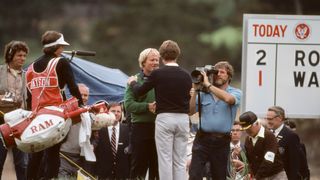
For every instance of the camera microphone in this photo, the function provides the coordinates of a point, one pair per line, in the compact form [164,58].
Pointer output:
[81,53]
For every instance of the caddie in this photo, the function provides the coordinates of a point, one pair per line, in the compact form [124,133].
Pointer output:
[46,79]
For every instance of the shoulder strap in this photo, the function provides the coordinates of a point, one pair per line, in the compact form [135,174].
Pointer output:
[51,64]
[199,109]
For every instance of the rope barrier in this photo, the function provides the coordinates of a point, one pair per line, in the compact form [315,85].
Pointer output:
[76,165]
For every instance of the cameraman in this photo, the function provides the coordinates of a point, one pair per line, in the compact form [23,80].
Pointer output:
[218,108]
[13,96]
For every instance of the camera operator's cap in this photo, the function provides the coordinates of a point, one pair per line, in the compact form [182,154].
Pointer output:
[247,119]
[59,41]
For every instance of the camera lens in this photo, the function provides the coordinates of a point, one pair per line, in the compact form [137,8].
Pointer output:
[196,76]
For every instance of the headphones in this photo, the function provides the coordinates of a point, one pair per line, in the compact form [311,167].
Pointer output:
[10,51]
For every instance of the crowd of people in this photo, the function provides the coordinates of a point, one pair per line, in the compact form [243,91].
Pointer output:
[153,140]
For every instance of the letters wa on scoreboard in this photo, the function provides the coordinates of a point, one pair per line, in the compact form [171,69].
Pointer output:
[281,64]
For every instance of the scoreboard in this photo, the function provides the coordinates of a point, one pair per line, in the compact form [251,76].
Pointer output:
[281,64]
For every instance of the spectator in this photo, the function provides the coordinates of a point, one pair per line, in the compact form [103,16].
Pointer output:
[70,147]
[304,168]
[144,153]
[13,96]
[291,125]
[261,149]
[237,170]
[218,108]
[288,141]
[46,79]
[112,160]
[172,85]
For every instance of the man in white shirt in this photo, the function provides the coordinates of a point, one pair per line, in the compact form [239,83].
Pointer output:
[112,159]
[70,147]
[288,141]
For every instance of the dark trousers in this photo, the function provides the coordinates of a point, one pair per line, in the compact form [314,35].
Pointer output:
[44,164]
[19,159]
[144,153]
[89,167]
[67,169]
[213,149]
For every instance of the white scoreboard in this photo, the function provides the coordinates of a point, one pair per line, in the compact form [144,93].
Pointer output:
[281,64]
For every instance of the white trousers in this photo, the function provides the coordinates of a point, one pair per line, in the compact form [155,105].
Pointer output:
[171,135]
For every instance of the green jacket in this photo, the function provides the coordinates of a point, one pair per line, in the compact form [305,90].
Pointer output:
[138,107]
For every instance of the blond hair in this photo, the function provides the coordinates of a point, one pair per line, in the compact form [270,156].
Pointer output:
[144,55]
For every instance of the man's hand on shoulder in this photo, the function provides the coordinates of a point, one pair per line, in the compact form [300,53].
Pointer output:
[131,79]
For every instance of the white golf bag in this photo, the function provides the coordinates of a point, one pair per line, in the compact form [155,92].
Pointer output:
[36,131]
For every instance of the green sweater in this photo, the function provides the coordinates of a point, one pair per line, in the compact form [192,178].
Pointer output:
[138,107]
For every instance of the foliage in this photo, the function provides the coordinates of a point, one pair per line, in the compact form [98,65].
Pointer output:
[206,30]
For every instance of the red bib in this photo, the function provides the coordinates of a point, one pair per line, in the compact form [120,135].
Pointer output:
[44,86]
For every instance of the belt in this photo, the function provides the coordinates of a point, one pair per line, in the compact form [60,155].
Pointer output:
[214,134]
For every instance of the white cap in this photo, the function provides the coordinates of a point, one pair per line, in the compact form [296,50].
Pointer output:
[59,41]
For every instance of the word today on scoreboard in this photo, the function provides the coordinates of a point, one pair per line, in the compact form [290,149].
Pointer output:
[281,64]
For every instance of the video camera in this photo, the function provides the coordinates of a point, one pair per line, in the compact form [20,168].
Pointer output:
[196,75]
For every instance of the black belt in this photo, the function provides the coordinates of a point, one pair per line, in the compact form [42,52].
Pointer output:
[214,134]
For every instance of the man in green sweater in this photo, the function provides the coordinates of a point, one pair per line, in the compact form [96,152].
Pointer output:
[142,109]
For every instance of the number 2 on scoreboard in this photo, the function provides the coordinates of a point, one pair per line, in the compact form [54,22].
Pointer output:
[261,62]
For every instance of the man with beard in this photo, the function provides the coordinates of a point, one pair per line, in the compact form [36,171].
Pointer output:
[218,108]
